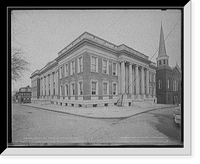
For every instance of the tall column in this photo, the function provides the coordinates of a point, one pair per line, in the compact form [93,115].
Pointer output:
[123,77]
[133,80]
[47,85]
[119,77]
[126,78]
[40,86]
[137,80]
[44,79]
[142,81]
[51,83]
[56,81]
[130,79]
[147,82]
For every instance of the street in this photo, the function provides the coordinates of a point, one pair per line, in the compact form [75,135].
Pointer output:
[32,126]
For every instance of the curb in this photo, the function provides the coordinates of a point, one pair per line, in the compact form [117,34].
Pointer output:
[96,117]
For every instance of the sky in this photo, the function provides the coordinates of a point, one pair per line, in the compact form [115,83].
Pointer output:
[41,34]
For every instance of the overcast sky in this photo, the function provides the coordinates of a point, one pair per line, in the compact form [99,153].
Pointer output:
[41,34]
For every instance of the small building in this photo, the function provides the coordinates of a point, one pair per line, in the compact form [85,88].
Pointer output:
[169,82]
[24,95]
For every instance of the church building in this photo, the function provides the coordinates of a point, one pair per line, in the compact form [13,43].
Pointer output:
[92,72]
[168,80]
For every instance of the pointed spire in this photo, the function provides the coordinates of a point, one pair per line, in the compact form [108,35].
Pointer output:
[162,49]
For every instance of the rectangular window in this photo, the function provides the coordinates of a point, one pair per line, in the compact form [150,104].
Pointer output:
[94,64]
[105,66]
[80,64]
[114,88]
[73,89]
[94,88]
[61,72]
[114,68]
[80,88]
[72,67]
[66,70]
[167,83]
[105,88]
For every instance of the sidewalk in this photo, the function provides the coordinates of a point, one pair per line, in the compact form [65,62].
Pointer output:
[110,112]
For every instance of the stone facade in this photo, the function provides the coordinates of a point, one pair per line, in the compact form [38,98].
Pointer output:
[93,72]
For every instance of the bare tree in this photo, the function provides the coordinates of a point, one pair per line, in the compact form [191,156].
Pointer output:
[18,64]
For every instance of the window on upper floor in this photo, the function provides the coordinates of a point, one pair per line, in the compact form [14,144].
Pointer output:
[80,64]
[61,72]
[72,67]
[66,70]
[94,64]
[105,66]
[114,68]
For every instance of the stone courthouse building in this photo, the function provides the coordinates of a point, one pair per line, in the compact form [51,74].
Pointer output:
[92,72]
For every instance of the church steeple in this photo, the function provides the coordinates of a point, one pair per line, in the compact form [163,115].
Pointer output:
[162,59]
